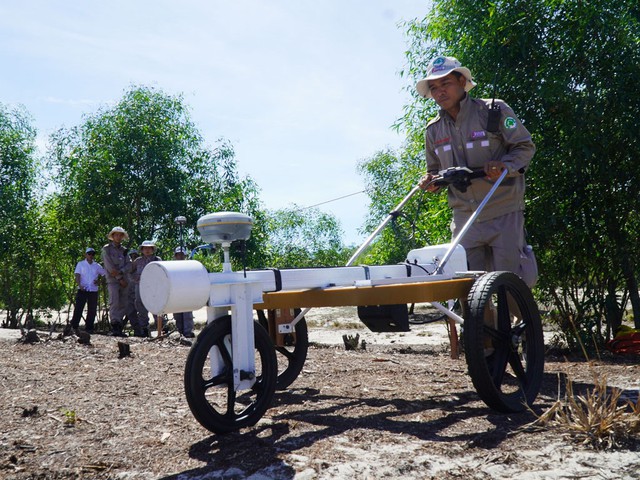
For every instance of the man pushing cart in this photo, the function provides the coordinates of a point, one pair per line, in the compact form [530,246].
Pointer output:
[479,151]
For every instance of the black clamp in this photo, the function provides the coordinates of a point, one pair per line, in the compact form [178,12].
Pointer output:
[277,278]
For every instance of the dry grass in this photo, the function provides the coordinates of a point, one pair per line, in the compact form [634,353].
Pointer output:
[599,418]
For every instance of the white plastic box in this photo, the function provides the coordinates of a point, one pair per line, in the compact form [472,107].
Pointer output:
[434,255]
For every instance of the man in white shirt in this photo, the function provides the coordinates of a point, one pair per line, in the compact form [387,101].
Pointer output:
[86,276]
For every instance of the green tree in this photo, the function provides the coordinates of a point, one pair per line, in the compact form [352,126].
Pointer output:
[303,238]
[569,69]
[139,164]
[18,215]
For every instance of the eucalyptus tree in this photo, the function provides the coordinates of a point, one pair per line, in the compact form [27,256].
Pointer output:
[139,164]
[298,237]
[18,214]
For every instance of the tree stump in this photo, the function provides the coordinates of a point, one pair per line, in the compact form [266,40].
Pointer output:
[84,338]
[31,337]
[124,349]
[351,342]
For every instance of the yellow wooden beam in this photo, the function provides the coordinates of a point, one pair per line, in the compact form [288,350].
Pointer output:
[376,295]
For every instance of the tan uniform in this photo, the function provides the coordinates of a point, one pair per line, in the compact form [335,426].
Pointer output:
[496,240]
[115,263]
[131,312]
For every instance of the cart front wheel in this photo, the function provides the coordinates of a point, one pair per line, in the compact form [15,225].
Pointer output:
[504,344]
[208,379]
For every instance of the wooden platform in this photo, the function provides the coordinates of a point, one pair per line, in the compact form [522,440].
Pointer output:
[415,292]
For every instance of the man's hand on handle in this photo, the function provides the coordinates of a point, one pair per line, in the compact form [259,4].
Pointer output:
[494,169]
[425,183]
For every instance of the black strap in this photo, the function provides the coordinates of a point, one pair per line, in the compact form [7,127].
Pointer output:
[277,277]
[367,273]
[493,119]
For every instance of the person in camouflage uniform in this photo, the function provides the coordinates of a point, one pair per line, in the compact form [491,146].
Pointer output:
[116,263]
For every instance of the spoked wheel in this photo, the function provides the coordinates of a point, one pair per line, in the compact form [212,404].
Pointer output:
[504,345]
[292,355]
[208,379]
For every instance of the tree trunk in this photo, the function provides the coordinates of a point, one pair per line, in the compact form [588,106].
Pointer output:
[632,285]
[613,312]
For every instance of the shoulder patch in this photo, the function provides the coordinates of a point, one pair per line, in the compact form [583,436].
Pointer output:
[510,123]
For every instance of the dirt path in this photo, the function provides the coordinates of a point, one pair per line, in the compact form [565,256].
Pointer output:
[400,409]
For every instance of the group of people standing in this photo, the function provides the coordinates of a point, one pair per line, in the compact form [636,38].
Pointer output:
[122,270]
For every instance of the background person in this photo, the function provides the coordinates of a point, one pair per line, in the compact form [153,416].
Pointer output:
[184,320]
[148,250]
[116,262]
[131,311]
[87,274]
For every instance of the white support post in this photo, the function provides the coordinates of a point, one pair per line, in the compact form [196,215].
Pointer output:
[215,358]
[242,336]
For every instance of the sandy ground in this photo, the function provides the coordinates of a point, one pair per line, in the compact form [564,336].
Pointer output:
[333,323]
[402,409]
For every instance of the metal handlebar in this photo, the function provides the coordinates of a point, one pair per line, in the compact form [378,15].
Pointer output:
[459,178]
[391,216]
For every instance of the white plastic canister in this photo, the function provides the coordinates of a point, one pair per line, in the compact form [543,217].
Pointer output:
[174,286]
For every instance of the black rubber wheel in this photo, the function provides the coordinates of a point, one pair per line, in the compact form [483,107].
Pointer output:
[211,395]
[292,356]
[503,344]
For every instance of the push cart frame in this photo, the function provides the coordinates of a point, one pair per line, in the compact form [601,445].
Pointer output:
[233,370]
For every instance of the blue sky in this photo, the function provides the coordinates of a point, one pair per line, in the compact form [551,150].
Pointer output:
[303,90]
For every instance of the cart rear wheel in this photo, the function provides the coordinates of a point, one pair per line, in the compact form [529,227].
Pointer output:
[208,379]
[293,354]
[504,345]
